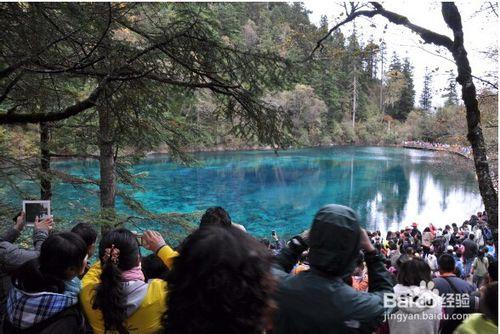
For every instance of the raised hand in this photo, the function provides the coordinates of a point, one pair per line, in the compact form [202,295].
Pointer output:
[20,223]
[365,242]
[45,225]
[152,240]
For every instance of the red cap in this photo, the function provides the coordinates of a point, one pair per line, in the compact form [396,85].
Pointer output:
[414,224]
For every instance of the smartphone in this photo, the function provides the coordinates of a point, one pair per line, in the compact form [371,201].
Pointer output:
[33,209]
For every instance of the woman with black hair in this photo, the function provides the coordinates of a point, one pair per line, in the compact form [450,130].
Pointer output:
[115,296]
[418,304]
[38,301]
[220,283]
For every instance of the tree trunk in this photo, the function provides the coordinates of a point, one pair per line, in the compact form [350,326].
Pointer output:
[382,79]
[45,183]
[107,185]
[473,115]
[354,97]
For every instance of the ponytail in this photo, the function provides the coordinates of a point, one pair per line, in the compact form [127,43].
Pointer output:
[118,252]
[110,299]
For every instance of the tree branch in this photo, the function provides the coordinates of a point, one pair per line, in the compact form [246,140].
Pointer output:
[427,35]
[75,109]
[10,86]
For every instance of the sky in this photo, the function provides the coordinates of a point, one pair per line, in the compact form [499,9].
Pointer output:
[480,33]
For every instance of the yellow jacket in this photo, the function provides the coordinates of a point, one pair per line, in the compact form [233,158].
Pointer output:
[148,317]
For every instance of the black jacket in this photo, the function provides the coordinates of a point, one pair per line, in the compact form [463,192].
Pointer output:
[470,248]
[70,320]
[318,301]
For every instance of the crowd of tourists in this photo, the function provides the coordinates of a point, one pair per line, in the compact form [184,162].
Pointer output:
[464,150]
[333,278]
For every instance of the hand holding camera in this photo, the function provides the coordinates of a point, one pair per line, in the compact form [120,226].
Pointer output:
[44,225]
[152,240]
[19,221]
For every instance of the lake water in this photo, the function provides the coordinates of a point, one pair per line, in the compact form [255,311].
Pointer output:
[388,187]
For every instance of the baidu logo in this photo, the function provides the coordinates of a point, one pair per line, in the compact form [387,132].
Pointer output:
[423,296]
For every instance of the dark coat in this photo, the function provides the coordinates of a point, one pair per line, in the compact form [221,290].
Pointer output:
[470,248]
[318,301]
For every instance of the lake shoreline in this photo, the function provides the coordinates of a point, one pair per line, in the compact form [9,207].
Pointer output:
[221,149]
[269,148]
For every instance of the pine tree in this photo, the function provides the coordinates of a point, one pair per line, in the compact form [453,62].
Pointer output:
[451,91]
[407,99]
[358,82]
[426,97]
[395,83]
[371,58]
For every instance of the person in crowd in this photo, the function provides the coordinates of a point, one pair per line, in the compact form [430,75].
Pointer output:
[449,287]
[114,294]
[470,253]
[220,283]
[479,268]
[473,221]
[12,256]
[410,251]
[318,300]
[389,237]
[89,234]
[431,260]
[153,267]
[439,245]
[394,253]
[406,242]
[478,234]
[415,232]
[303,264]
[426,241]
[360,276]
[465,229]
[485,322]
[38,302]
[459,266]
[416,244]
[215,216]
[454,239]
[447,237]
[416,300]
[218,216]
[491,253]
[433,229]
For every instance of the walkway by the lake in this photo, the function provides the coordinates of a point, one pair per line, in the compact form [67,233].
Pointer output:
[465,151]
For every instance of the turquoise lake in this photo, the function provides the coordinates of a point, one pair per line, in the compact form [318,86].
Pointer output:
[388,187]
